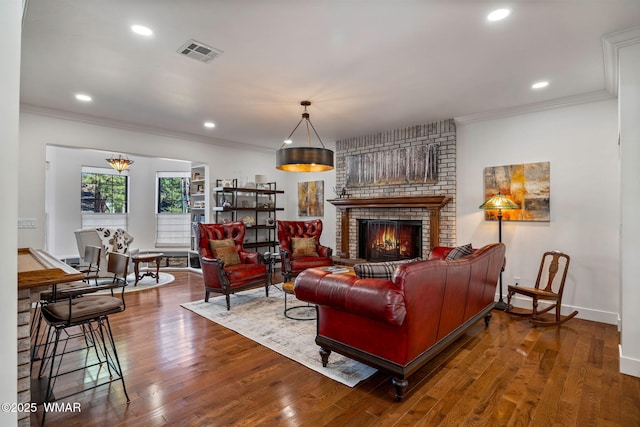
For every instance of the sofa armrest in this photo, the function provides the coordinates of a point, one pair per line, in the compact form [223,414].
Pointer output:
[376,299]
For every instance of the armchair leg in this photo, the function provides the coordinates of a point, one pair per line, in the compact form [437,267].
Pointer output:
[228,298]
[206,296]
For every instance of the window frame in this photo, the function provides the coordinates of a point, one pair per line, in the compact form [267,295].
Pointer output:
[165,233]
[176,174]
[112,172]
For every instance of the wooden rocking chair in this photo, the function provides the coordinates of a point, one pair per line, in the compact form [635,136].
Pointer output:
[553,261]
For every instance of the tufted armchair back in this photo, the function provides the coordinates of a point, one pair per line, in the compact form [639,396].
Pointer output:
[230,230]
[292,266]
[289,229]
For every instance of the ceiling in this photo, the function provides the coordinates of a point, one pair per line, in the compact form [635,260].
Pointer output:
[366,65]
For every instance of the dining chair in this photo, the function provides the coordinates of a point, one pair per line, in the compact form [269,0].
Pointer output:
[81,324]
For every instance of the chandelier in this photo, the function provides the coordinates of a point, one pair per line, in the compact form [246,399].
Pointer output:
[119,163]
[304,159]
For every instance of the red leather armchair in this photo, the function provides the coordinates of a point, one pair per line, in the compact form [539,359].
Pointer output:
[251,272]
[292,264]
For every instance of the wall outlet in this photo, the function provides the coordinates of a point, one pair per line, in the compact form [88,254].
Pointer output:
[516,280]
[27,223]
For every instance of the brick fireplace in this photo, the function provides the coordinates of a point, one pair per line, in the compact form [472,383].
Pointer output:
[431,203]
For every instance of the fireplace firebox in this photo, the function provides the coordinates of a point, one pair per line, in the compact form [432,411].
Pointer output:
[389,240]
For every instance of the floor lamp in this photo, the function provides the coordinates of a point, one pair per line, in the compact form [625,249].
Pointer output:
[499,202]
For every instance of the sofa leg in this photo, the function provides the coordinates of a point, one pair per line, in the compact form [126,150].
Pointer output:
[400,384]
[324,355]
[206,296]
[228,298]
[487,318]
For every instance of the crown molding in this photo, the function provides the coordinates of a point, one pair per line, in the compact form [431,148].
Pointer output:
[611,45]
[100,121]
[551,104]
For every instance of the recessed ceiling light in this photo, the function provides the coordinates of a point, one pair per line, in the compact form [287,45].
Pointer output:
[142,30]
[288,141]
[498,14]
[209,125]
[540,85]
[83,97]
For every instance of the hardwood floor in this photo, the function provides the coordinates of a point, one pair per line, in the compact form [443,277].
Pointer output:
[181,369]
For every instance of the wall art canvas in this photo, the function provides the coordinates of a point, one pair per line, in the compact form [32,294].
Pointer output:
[311,198]
[527,184]
[408,165]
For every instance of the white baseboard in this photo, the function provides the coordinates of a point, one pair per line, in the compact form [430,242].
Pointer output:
[628,365]
[610,318]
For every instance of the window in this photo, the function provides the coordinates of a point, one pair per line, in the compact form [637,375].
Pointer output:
[104,198]
[103,191]
[173,194]
[172,207]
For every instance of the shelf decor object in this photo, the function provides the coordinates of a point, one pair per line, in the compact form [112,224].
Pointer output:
[499,202]
[304,159]
[119,163]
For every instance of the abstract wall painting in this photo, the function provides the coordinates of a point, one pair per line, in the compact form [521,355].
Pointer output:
[311,198]
[527,184]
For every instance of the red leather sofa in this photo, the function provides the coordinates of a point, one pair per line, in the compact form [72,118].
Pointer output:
[398,325]
[251,272]
[292,265]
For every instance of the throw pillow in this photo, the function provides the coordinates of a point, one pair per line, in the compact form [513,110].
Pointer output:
[114,240]
[379,270]
[225,251]
[459,252]
[303,246]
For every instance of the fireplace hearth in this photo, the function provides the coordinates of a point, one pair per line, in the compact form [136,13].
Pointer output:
[389,240]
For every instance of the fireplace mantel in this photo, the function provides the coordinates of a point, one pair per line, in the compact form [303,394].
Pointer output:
[428,202]
[432,203]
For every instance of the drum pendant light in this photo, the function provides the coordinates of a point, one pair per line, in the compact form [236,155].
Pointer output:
[304,159]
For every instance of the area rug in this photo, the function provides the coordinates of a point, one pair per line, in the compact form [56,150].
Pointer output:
[262,320]
[145,283]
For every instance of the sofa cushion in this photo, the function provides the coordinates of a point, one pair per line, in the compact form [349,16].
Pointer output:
[225,250]
[459,252]
[303,246]
[379,270]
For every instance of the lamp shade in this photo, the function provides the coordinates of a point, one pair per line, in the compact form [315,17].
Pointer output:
[119,163]
[304,159]
[499,202]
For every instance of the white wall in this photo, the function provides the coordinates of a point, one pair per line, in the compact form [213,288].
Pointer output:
[581,142]
[629,105]
[38,131]
[63,206]
[10,27]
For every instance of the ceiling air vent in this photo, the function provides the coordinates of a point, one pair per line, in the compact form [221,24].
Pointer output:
[199,51]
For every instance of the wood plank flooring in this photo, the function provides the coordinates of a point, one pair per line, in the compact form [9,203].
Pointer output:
[183,370]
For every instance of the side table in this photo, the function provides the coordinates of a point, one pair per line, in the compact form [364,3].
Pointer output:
[148,257]
[287,287]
